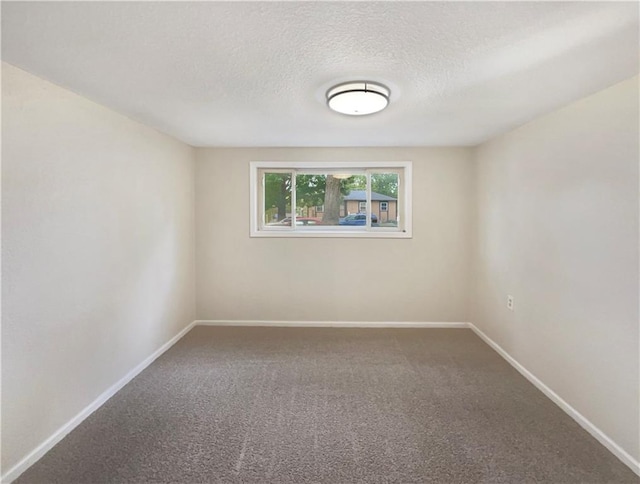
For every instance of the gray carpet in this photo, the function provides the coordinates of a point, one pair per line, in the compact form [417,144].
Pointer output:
[327,405]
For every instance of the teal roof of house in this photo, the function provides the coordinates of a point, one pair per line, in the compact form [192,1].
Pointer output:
[361,196]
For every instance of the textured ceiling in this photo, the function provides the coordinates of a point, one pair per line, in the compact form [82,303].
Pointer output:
[255,73]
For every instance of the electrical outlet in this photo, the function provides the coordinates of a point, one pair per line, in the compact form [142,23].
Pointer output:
[510,302]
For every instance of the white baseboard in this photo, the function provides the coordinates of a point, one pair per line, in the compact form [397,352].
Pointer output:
[331,324]
[598,434]
[59,434]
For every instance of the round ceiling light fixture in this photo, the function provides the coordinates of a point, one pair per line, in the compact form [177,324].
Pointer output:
[358,98]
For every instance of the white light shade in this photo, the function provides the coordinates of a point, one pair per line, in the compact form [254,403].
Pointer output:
[358,98]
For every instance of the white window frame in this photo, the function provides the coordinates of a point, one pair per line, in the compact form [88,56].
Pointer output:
[386,206]
[259,229]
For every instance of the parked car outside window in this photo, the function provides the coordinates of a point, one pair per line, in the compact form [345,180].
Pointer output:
[299,221]
[358,219]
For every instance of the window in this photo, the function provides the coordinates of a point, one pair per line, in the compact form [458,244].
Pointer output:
[330,199]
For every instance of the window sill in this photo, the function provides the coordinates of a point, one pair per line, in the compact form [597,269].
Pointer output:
[356,234]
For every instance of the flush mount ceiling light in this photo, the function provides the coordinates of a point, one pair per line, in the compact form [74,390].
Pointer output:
[358,98]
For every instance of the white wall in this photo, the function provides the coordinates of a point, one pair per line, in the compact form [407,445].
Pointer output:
[98,267]
[420,279]
[557,227]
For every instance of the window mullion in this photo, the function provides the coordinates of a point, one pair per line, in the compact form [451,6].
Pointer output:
[293,199]
[368,212]
[400,203]
[261,204]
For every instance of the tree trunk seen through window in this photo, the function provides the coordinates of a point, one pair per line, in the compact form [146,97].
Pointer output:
[332,200]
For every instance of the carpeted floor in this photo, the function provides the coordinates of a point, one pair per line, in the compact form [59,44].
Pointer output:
[328,405]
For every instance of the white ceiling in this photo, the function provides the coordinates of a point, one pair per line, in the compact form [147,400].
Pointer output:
[256,73]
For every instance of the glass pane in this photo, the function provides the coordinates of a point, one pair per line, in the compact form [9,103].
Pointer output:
[310,194]
[384,199]
[354,211]
[328,200]
[277,199]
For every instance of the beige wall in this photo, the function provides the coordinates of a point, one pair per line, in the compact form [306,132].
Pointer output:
[97,253]
[329,279]
[557,227]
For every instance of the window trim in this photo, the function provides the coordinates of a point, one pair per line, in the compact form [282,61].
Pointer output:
[404,199]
